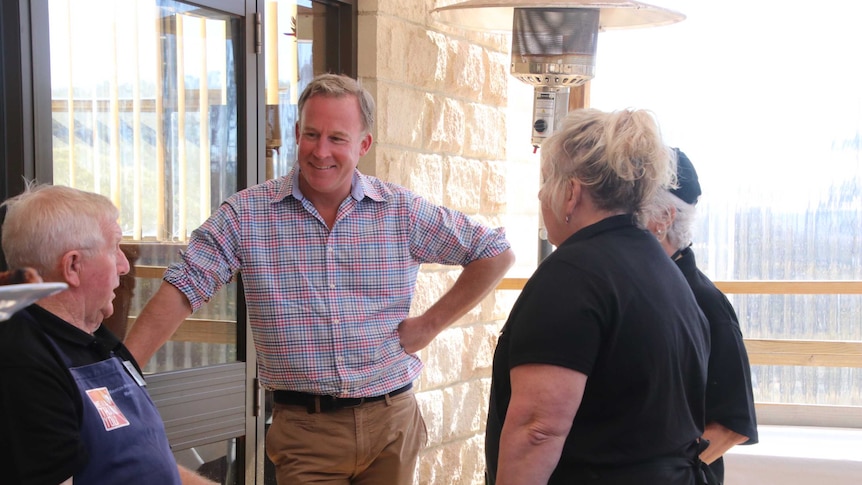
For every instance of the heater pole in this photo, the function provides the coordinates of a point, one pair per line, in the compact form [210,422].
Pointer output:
[579,97]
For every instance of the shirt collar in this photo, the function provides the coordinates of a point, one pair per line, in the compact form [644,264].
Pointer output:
[360,187]
[611,223]
[58,328]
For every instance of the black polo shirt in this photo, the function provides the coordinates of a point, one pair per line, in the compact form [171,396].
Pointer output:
[609,303]
[729,397]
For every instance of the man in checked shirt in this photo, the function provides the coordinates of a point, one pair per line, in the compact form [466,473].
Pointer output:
[329,259]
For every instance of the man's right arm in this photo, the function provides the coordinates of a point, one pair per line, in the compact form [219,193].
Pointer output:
[159,319]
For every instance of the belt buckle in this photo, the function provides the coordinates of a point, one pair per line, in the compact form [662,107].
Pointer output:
[360,402]
[328,404]
[322,404]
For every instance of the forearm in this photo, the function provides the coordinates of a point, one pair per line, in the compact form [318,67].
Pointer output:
[188,477]
[544,401]
[526,457]
[476,281]
[720,439]
[159,319]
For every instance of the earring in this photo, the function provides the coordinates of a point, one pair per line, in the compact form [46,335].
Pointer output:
[567,218]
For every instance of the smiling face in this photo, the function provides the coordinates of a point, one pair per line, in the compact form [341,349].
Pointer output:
[331,140]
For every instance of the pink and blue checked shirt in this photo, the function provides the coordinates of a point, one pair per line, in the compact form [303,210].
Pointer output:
[324,305]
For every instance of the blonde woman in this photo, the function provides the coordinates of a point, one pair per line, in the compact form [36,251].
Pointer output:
[600,372]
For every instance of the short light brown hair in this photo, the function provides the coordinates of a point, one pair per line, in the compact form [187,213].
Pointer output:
[337,86]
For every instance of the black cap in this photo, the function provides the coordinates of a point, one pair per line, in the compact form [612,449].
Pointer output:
[689,187]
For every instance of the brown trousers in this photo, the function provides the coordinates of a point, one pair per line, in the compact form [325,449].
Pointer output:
[373,444]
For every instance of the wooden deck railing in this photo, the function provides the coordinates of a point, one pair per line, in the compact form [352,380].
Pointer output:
[776,352]
[785,352]
[193,329]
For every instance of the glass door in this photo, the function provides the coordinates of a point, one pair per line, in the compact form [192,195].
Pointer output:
[145,103]
[302,38]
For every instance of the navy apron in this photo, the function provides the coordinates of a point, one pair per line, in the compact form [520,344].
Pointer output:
[121,428]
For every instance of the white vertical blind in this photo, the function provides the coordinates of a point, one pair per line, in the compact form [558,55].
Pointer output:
[766,99]
[143,97]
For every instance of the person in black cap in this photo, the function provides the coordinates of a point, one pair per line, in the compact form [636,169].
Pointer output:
[730,416]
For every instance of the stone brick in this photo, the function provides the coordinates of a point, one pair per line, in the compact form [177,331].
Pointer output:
[496,89]
[426,63]
[431,405]
[395,124]
[414,11]
[463,187]
[424,175]
[390,44]
[467,74]
[465,409]
[430,287]
[485,132]
[445,123]
[495,189]
[457,463]
[367,55]
[442,359]
[479,343]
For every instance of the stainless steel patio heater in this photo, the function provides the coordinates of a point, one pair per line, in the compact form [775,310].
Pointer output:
[553,42]
[553,48]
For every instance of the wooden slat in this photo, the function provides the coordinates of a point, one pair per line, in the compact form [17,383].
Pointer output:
[193,100]
[200,330]
[786,287]
[512,284]
[156,272]
[820,353]
[754,287]
[809,415]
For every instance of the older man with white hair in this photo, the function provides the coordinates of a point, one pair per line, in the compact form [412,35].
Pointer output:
[72,406]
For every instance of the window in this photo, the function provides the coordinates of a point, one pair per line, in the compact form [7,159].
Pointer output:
[144,105]
[768,106]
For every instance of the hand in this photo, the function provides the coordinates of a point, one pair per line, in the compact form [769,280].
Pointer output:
[19,276]
[720,439]
[415,334]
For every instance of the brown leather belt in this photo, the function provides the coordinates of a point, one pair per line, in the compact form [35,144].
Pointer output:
[324,404]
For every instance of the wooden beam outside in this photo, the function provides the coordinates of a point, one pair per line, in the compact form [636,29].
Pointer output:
[809,415]
[818,353]
[754,287]
[579,97]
